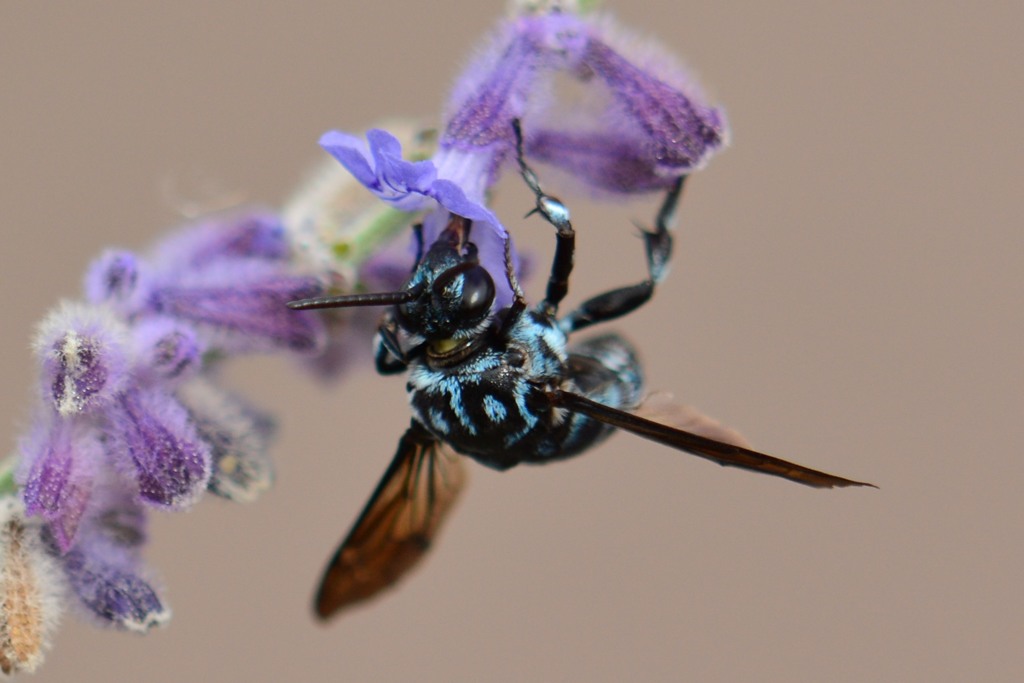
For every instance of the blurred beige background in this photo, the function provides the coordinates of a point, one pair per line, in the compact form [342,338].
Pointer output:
[847,291]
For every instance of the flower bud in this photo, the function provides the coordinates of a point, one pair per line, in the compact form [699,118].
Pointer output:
[166,350]
[231,235]
[84,358]
[151,436]
[106,578]
[59,461]
[117,278]
[241,307]
[29,591]
[238,438]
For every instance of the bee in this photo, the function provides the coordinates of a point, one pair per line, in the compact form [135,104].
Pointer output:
[507,388]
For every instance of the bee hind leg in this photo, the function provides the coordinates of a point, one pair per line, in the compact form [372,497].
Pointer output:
[607,369]
[604,369]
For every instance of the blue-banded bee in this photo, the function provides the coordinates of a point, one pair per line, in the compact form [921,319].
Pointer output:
[506,388]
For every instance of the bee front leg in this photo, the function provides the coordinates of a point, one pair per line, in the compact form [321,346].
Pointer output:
[557,214]
[389,357]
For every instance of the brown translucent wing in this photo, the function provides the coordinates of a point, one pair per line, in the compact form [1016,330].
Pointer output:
[661,407]
[398,524]
[732,453]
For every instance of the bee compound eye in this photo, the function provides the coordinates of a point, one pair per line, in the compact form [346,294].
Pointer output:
[477,292]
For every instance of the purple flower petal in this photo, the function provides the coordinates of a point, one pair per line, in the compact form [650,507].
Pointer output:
[240,307]
[632,98]
[393,171]
[389,181]
[59,463]
[83,356]
[151,435]
[354,154]
[405,184]
[107,581]
[451,196]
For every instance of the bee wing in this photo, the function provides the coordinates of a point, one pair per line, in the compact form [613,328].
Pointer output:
[398,524]
[732,452]
[661,407]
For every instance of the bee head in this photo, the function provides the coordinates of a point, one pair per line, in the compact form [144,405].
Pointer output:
[451,293]
[447,299]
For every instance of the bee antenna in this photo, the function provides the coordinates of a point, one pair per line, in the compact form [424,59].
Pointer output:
[348,300]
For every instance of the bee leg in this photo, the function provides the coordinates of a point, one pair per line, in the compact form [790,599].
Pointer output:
[557,214]
[417,231]
[606,370]
[389,357]
[618,302]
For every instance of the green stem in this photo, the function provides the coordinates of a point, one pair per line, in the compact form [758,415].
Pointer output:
[366,241]
[7,485]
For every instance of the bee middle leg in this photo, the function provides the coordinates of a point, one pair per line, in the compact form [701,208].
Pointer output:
[614,303]
[619,302]
[607,369]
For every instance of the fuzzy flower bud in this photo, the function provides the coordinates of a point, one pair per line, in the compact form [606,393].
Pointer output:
[116,278]
[240,307]
[236,234]
[238,437]
[29,591]
[154,440]
[84,358]
[107,579]
[166,350]
[59,460]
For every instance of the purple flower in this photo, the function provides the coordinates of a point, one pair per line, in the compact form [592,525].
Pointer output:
[218,286]
[641,125]
[410,186]
[378,164]
[239,307]
[639,110]
[235,234]
[223,279]
[129,419]
[111,370]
